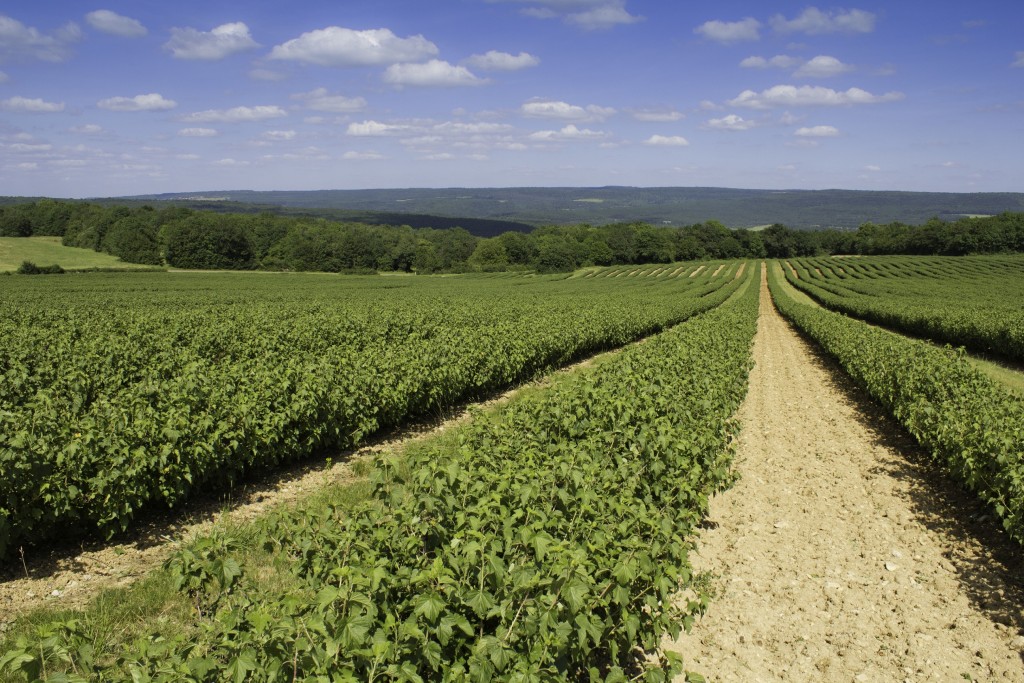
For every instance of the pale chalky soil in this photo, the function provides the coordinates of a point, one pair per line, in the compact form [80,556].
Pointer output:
[839,556]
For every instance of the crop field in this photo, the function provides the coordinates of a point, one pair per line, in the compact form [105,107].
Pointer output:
[975,302]
[972,425]
[548,537]
[125,391]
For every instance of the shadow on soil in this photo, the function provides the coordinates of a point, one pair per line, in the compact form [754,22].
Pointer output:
[988,564]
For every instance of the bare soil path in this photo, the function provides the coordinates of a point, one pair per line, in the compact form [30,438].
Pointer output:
[842,554]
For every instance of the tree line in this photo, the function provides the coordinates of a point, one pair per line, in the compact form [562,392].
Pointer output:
[186,238]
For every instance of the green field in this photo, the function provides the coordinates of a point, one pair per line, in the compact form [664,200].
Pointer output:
[46,251]
[543,539]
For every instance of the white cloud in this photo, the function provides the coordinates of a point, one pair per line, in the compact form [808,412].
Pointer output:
[585,14]
[1019,61]
[151,102]
[552,109]
[321,100]
[807,95]
[502,61]
[441,156]
[336,46]
[667,141]
[817,132]
[361,156]
[237,114]
[34,105]
[30,147]
[483,128]
[432,74]
[19,42]
[813,21]
[197,132]
[606,15]
[873,168]
[569,132]
[230,162]
[732,123]
[822,66]
[374,129]
[657,115]
[266,75]
[279,135]
[778,61]
[110,22]
[730,31]
[87,129]
[223,41]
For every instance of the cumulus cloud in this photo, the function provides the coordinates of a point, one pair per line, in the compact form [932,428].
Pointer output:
[553,109]
[1019,61]
[151,102]
[321,100]
[266,75]
[111,22]
[374,129]
[817,132]
[732,123]
[223,41]
[657,115]
[87,129]
[336,46]
[822,66]
[197,132]
[585,14]
[604,16]
[813,21]
[279,135]
[807,95]
[778,62]
[730,31]
[435,73]
[30,147]
[23,43]
[569,132]
[480,128]
[502,61]
[352,155]
[873,168]
[237,114]
[30,105]
[230,162]
[667,141]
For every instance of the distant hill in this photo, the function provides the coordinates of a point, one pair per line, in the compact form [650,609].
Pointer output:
[802,209]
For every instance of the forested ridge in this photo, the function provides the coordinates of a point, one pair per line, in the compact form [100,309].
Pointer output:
[181,237]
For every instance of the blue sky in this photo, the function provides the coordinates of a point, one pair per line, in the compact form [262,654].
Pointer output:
[139,97]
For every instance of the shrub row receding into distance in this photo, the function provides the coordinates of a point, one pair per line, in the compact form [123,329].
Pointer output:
[124,391]
[971,425]
[966,301]
[547,540]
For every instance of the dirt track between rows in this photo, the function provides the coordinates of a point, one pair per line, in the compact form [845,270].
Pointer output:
[842,554]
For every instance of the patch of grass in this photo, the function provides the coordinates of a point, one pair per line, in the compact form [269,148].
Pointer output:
[46,251]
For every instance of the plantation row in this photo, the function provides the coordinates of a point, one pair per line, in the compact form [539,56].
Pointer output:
[126,391]
[971,425]
[545,541]
[966,301]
